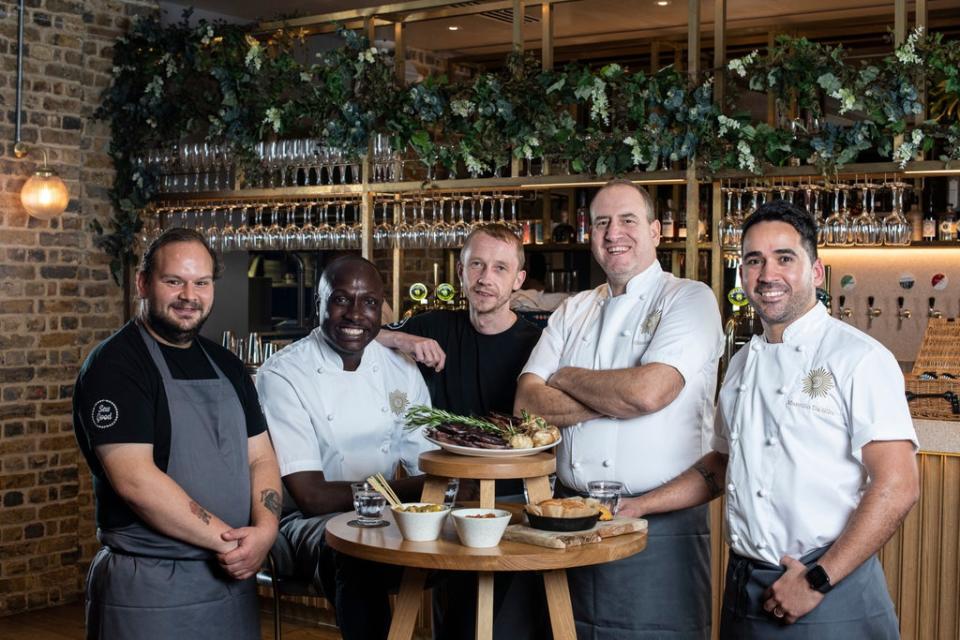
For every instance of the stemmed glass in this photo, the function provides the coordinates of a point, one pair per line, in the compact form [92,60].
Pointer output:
[243,233]
[896,228]
[258,235]
[729,228]
[292,233]
[228,234]
[341,232]
[382,231]
[274,233]
[420,232]
[861,225]
[836,225]
[460,228]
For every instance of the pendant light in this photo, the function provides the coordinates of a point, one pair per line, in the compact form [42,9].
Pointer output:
[44,195]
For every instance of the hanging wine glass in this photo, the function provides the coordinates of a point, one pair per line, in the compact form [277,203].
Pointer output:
[836,228]
[897,230]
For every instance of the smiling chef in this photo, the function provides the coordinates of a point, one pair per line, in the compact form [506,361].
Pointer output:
[629,370]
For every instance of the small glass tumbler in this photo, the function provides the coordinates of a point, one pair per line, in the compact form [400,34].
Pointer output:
[368,504]
[450,493]
[607,492]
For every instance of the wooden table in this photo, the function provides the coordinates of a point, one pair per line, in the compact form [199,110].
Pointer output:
[534,469]
[447,554]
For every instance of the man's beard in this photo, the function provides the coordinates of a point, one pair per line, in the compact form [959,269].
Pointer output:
[170,332]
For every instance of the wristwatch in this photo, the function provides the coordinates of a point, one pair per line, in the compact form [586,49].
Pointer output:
[818,579]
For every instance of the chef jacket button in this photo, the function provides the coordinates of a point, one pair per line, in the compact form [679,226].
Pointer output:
[742,388]
[607,463]
[799,348]
[731,487]
[771,441]
[762,493]
[576,465]
[782,390]
[329,417]
[376,368]
[385,448]
[755,346]
[319,369]
[734,436]
[734,538]
[384,409]
[585,338]
[761,546]
[642,297]
[624,333]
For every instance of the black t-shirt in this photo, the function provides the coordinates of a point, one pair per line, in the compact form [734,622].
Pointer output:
[481,371]
[119,398]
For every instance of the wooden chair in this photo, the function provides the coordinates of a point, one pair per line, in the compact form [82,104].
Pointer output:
[277,576]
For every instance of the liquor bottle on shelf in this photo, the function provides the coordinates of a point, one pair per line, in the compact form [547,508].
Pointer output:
[930,223]
[666,222]
[583,220]
[681,224]
[564,232]
[948,226]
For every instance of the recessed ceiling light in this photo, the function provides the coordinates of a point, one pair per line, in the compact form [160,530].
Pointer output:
[663,3]
[453,27]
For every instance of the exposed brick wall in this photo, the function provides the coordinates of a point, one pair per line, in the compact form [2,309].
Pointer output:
[57,299]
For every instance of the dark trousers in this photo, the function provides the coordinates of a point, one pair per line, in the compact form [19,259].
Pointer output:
[857,608]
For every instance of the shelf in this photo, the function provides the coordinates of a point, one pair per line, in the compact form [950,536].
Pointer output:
[672,245]
[557,246]
[915,245]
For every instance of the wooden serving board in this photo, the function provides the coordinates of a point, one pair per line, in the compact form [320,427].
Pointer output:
[563,539]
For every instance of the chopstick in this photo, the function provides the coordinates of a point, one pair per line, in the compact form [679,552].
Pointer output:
[381,486]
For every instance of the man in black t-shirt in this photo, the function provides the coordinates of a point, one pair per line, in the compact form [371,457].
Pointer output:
[186,482]
[471,361]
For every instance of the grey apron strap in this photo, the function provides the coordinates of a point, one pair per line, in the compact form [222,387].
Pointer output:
[149,586]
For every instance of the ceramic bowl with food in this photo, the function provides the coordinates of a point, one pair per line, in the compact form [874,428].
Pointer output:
[420,521]
[480,528]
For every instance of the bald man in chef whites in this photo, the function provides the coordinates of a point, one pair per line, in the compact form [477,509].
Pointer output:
[815,445]
[334,403]
[628,371]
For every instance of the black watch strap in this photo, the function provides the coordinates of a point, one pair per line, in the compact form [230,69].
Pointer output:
[818,579]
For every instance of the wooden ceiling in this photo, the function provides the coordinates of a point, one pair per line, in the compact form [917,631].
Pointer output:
[600,29]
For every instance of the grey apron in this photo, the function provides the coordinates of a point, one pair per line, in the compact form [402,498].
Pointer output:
[857,608]
[661,592]
[144,585]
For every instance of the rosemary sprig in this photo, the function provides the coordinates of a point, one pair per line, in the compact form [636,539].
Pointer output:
[420,415]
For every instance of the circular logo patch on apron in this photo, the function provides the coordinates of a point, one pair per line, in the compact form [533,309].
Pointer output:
[104,414]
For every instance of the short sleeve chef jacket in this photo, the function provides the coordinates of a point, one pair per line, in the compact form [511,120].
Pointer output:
[660,318]
[794,417]
[347,424]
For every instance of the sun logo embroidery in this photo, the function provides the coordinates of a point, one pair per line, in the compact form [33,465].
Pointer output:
[398,402]
[651,322]
[818,383]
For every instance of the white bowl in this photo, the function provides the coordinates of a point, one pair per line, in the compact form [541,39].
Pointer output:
[420,526]
[480,532]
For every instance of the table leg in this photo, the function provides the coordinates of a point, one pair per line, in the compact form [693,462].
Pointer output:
[433,490]
[488,494]
[538,489]
[558,604]
[408,604]
[484,606]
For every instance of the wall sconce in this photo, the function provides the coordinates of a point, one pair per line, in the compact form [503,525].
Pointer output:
[44,195]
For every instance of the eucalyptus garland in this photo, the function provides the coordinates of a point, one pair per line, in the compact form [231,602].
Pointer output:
[215,82]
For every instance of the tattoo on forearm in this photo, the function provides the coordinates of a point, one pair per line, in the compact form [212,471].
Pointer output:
[200,512]
[271,500]
[710,478]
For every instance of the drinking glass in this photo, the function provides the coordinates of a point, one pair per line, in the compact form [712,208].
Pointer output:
[368,504]
[450,493]
[607,492]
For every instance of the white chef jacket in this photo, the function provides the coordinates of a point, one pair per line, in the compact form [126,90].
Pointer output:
[347,424]
[660,318]
[794,417]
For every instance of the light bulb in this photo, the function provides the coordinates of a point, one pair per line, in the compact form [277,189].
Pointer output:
[44,195]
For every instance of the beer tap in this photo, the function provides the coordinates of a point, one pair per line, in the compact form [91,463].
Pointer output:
[933,312]
[872,311]
[902,314]
[842,311]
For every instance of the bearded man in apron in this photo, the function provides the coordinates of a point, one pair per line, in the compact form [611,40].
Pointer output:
[186,482]
[816,448]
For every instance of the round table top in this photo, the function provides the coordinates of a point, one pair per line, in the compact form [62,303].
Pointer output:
[385,545]
[451,465]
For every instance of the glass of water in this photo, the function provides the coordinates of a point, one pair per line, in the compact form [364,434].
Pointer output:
[607,492]
[450,493]
[368,504]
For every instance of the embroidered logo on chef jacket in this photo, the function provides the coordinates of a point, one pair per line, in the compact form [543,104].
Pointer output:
[398,402]
[652,321]
[104,414]
[818,383]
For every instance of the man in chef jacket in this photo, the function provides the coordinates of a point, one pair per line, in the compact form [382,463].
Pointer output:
[629,371]
[815,441]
